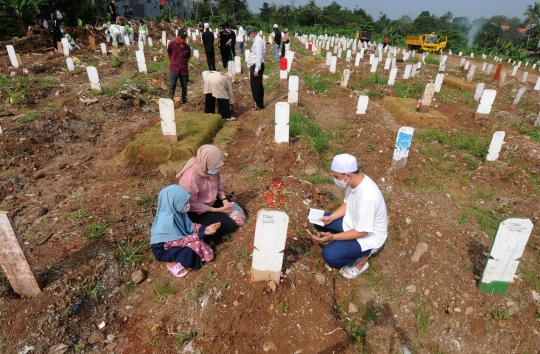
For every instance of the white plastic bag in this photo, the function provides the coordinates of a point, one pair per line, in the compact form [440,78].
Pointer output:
[238,214]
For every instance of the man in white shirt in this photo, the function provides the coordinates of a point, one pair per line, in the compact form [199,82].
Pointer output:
[255,63]
[240,38]
[358,227]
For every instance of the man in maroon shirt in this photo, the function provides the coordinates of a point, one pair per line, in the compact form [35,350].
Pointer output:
[179,53]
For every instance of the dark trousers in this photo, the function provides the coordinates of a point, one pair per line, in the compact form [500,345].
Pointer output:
[225,53]
[56,37]
[227,224]
[173,78]
[233,54]
[211,60]
[257,89]
[223,104]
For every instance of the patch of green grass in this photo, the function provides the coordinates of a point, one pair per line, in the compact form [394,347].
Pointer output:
[374,93]
[430,59]
[196,294]
[487,219]
[438,350]
[500,314]
[95,230]
[30,117]
[485,194]
[154,341]
[533,132]
[318,179]
[162,289]
[89,288]
[374,279]
[318,83]
[531,276]
[211,277]
[181,339]
[422,316]
[144,201]
[300,125]
[393,294]
[283,307]
[413,60]
[374,79]
[79,214]
[132,253]
[240,253]
[156,66]
[409,90]
[127,288]
[258,173]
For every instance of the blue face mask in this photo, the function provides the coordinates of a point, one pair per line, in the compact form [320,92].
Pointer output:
[213,172]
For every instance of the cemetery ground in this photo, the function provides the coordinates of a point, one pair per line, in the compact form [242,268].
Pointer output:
[85,210]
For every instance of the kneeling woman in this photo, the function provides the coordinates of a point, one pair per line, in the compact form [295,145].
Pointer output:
[208,203]
[175,238]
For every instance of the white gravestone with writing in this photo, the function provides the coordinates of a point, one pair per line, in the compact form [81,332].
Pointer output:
[488,97]
[537,86]
[488,70]
[427,98]
[345,79]
[520,93]
[495,146]
[467,65]
[328,58]
[479,90]
[387,63]
[413,71]
[150,44]
[103,49]
[438,82]
[514,71]
[363,101]
[392,77]
[65,44]
[293,90]
[281,134]
[403,143]
[290,57]
[374,64]
[238,64]
[269,244]
[168,122]
[141,46]
[141,62]
[524,78]
[470,75]
[507,247]
[407,72]
[333,63]
[94,78]
[70,64]
[357,60]
[12,56]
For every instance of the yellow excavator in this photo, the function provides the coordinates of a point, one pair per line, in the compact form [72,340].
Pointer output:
[426,42]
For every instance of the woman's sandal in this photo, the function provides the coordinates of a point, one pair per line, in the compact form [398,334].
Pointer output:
[256,108]
[350,271]
[178,270]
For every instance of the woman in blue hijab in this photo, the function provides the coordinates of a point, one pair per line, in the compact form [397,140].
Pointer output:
[175,239]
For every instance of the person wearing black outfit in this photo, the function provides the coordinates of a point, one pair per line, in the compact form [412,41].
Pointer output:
[111,10]
[277,42]
[208,42]
[54,30]
[284,40]
[224,39]
[232,45]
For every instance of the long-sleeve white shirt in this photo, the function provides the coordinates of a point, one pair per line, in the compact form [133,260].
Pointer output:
[258,51]
[240,34]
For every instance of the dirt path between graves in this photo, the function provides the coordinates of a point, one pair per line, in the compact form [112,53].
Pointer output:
[63,182]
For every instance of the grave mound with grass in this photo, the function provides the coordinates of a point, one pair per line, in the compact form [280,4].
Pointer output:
[459,84]
[194,129]
[404,110]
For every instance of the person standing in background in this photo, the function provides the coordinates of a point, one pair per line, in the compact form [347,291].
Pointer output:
[255,63]
[232,45]
[179,53]
[55,31]
[224,40]
[240,38]
[285,40]
[208,42]
[277,42]
[111,10]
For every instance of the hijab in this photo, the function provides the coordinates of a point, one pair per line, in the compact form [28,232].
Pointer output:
[209,157]
[169,224]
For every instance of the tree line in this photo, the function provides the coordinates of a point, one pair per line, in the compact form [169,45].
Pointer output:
[499,35]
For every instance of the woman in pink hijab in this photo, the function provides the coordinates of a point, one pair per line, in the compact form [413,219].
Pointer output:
[208,202]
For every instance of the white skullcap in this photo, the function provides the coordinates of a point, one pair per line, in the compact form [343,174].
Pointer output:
[275,25]
[344,163]
[206,25]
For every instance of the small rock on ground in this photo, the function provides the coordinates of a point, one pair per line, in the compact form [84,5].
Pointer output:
[320,278]
[411,289]
[512,310]
[272,285]
[96,337]
[421,248]
[353,308]
[269,346]
[138,276]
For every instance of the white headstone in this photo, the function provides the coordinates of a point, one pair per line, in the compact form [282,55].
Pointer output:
[282,122]
[403,143]
[371,58]
[141,62]
[103,48]
[340,53]
[12,56]
[290,57]
[537,86]
[495,146]
[484,66]
[293,90]
[520,93]
[537,121]
[438,82]
[150,44]
[270,238]
[470,75]
[345,79]
[514,71]
[333,62]
[467,65]
[168,124]
[524,78]
[70,64]
[374,64]
[427,98]
[230,67]
[387,63]
[65,44]
[488,97]
[363,101]
[141,46]
[407,72]
[489,68]
[508,246]
[357,60]
[94,78]
[328,58]
[479,91]
[392,77]
[413,71]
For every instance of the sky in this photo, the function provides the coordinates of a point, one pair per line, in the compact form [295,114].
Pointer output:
[394,9]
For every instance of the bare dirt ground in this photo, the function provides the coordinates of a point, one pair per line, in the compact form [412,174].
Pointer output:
[82,213]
